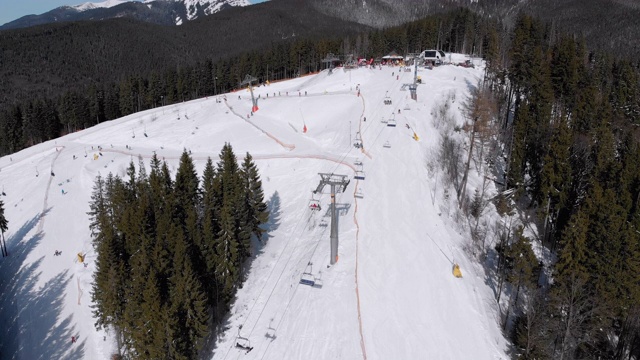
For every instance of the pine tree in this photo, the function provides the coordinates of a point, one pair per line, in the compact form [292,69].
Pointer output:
[210,229]
[555,179]
[572,299]
[227,250]
[186,190]
[258,213]
[516,169]
[153,342]
[188,313]
[188,209]
[108,289]
[4,226]
[522,266]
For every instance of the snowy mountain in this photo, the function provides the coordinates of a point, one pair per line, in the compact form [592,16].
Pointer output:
[196,8]
[104,4]
[391,295]
[163,12]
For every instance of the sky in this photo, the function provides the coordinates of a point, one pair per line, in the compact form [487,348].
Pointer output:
[14,9]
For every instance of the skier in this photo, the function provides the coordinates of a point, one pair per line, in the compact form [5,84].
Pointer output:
[73,339]
[365,119]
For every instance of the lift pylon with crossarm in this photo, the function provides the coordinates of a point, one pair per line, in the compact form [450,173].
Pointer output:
[338,184]
[248,80]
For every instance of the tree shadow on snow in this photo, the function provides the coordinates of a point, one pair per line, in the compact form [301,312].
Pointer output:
[273,223]
[223,325]
[29,314]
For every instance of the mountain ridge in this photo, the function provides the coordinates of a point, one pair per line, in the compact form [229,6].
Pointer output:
[161,12]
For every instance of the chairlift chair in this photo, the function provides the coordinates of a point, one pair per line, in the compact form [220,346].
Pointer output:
[314,205]
[323,223]
[359,194]
[307,277]
[359,175]
[387,100]
[391,122]
[243,344]
[358,141]
[386,144]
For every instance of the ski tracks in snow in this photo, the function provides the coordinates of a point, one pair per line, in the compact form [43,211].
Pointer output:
[45,203]
[286,146]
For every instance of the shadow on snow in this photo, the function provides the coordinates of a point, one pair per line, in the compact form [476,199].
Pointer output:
[30,324]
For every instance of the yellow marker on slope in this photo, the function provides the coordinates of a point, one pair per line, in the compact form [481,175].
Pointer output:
[456,271]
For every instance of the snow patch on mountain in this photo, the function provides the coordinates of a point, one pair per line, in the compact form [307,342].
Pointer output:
[209,7]
[105,4]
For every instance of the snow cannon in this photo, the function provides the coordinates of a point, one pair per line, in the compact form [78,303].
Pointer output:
[416,137]
[456,271]
[80,257]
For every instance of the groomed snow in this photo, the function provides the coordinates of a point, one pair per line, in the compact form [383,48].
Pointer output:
[391,295]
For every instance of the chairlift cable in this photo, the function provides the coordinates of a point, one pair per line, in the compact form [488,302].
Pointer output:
[340,161]
[281,273]
[268,278]
[296,289]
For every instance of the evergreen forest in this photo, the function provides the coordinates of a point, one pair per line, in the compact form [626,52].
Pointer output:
[567,129]
[173,251]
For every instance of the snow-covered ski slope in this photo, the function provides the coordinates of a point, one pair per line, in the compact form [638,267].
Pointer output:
[391,295]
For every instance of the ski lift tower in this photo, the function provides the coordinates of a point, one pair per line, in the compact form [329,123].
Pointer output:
[339,183]
[248,80]
[413,88]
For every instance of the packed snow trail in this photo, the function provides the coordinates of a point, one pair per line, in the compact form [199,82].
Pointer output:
[286,146]
[355,220]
